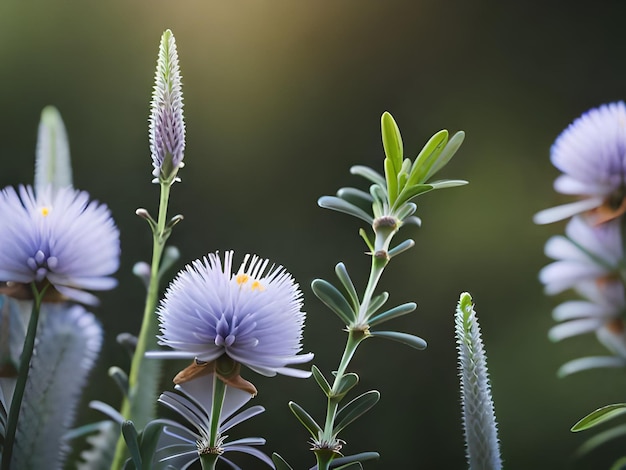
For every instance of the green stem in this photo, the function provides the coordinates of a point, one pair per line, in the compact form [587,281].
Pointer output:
[209,460]
[356,334]
[22,378]
[138,406]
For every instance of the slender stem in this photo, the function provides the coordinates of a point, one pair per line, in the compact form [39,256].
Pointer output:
[208,461]
[22,377]
[138,405]
[356,334]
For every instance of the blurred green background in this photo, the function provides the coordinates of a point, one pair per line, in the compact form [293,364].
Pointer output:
[282,97]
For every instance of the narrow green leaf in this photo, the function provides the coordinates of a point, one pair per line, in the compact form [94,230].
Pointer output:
[305,418]
[599,416]
[377,302]
[148,440]
[280,463]
[600,439]
[361,457]
[337,204]
[404,338]
[333,299]
[344,277]
[379,194]
[402,247]
[366,239]
[427,157]
[392,142]
[391,180]
[321,380]
[448,152]
[52,162]
[442,184]
[369,174]
[409,192]
[355,408]
[120,378]
[392,313]
[348,381]
[406,210]
[356,197]
[130,436]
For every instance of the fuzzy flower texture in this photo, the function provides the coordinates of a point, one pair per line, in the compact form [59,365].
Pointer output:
[59,237]
[589,257]
[252,316]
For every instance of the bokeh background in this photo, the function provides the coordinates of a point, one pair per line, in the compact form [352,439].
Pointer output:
[282,97]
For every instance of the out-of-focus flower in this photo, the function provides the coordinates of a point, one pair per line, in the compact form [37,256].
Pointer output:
[479,420]
[591,154]
[167,126]
[603,306]
[252,316]
[586,253]
[59,237]
[180,445]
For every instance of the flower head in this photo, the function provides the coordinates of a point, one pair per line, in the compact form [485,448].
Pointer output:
[591,154]
[167,126]
[587,253]
[253,316]
[181,445]
[59,237]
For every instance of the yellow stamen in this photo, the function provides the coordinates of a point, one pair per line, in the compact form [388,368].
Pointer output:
[256,285]
[45,211]
[242,278]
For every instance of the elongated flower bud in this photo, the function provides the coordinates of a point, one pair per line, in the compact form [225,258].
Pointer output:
[479,421]
[68,345]
[167,127]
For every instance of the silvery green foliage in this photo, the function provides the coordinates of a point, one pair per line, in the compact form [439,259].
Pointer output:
[479,421]
[52,166]
[99,456]
[69,342]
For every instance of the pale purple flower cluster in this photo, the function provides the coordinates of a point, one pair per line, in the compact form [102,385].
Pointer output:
[60,237]
[181,444]
[252,315]
[589,259]
[591,154]
[167,126]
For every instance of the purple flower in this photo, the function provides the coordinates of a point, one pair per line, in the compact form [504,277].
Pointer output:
[180,445]
[587,253]
[167,127]
[253,316]
[591,154]
[60,237]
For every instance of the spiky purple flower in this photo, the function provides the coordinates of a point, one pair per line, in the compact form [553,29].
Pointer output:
[60,237]
[591,154]
[253,316]
[167,126]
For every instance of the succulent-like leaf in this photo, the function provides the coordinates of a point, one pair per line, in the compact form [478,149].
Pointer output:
[355,409]
[391,181]
[392,313]
[321,380]
[599,416]
[347,383]
[590,362]
[377,302]
[132,442]
[369,174]
[442,184]
[350,466]
[357,197]
[306,419]
[346,281]
[120,378]
[148,440]
[340,205]
[52,163]
[392,142]
[401,247]
[404,338]
[448,152]
[333,299]
[409,192]
[427,157]
[600,439]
